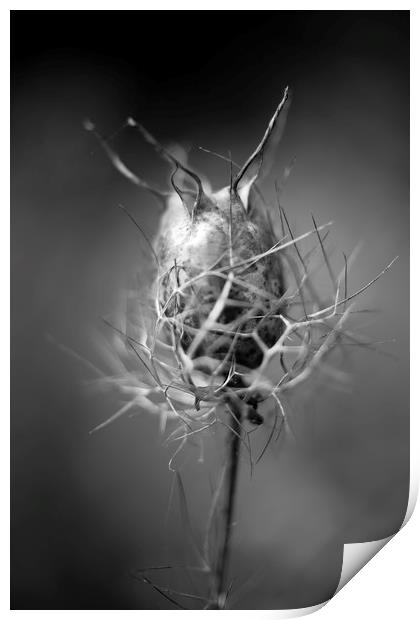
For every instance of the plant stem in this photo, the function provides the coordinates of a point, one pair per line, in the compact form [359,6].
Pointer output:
[233,445]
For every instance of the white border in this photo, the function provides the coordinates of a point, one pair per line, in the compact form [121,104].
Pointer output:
[387,586]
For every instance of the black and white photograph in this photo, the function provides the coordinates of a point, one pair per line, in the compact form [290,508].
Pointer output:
[209,305]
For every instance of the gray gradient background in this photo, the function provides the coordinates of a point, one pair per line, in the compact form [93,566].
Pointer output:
[87,510]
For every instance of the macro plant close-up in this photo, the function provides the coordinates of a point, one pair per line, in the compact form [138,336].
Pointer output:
[226,280]
[228,320]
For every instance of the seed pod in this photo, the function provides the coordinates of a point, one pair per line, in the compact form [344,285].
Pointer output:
[219,284]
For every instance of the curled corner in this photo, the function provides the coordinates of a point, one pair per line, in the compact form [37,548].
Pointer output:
[357,555]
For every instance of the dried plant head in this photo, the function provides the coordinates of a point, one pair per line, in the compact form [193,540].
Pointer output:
[231,316]
[228,319]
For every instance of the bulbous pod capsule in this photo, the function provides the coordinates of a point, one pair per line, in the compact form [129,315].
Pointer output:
[196,258]
[220,286]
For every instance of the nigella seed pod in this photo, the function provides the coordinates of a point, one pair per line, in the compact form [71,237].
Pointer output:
[222,282]
[197,334]
[222,238]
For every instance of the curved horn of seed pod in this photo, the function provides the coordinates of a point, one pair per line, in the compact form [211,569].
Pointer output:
[259,163]
[163,152]
[116,161]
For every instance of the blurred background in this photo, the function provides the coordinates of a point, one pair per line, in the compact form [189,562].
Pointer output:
[87,510]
